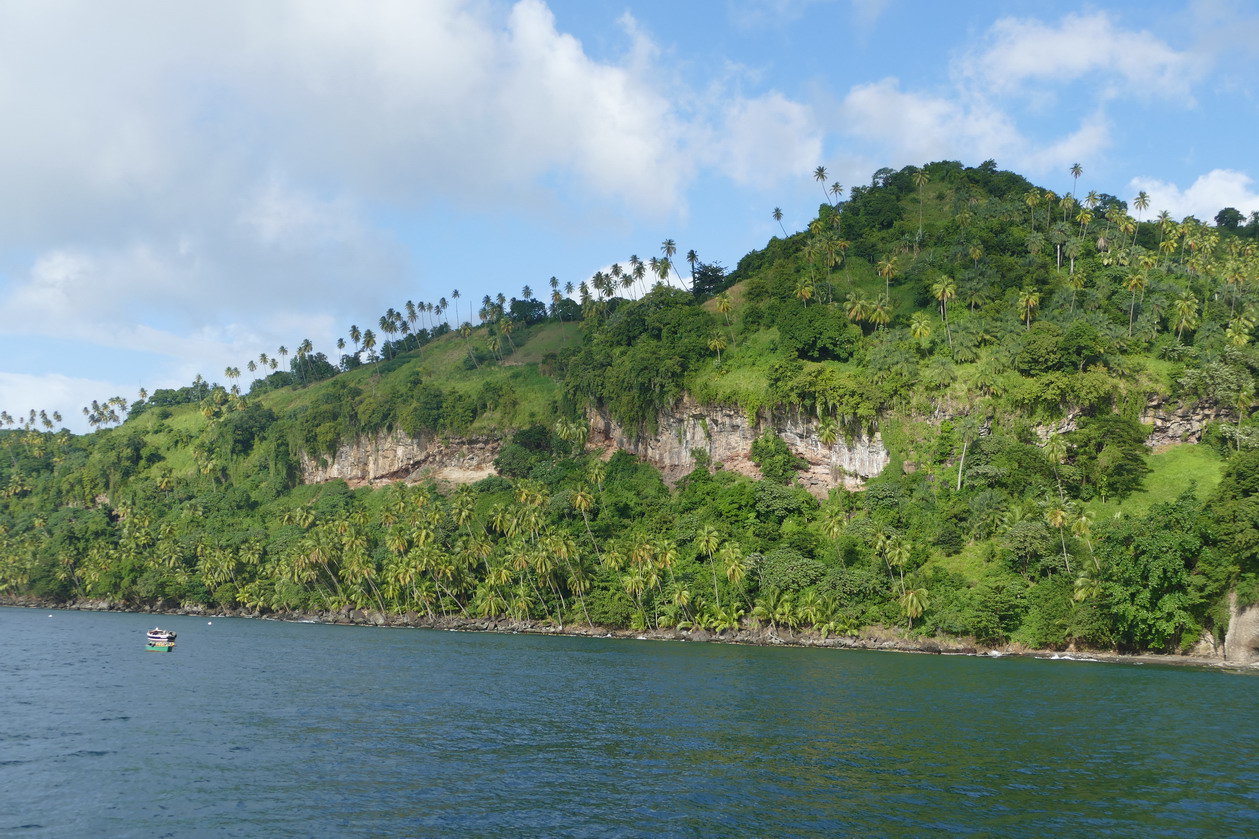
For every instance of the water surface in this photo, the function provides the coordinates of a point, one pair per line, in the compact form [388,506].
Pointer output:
[260,728]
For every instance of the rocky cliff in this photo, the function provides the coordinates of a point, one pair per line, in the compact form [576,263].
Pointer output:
[1241,644]
[725,435]
[393,456]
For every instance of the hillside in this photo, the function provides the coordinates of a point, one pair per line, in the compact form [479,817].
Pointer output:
[956,404]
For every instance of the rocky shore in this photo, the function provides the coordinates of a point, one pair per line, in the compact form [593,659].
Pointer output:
[870,638]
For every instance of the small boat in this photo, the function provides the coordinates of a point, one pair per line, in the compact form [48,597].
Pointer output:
[160,641]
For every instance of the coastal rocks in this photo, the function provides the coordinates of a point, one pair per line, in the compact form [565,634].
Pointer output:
[1241,644]
[394,456]
[725,436]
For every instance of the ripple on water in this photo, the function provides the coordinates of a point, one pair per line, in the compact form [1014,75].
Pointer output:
[272,729]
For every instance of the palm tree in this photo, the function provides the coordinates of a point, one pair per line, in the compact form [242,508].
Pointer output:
[724,305]
[778,217]
[804,290]
[968,428]
[920,179]
[1141,203]
[887,270]
[1186,308]
[1135,282]
[1076,171]
[945,289]
[837,190]
[913,603]
[920,326]
[880,313]
[819,175]
[1058,517]
[717,343]
[1028,302]
[707,541]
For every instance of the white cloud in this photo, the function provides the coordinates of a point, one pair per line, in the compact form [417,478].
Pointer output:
[764,140]
[56,392]
[910,127]
[1021,51]
[1205,197]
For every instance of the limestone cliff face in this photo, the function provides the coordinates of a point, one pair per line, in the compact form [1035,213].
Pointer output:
[393,456]
[726,436]
[1175,423]
[1241,644]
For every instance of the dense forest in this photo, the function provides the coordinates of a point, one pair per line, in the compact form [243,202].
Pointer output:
[1003,342]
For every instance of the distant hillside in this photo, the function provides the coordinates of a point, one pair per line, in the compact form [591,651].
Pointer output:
[956,404]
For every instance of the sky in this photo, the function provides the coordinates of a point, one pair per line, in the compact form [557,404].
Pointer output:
[185,185]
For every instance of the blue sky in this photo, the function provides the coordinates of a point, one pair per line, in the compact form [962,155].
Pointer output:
[186,185]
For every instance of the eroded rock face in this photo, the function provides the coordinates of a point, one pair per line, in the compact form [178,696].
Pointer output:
[1241,645]
[726,436]
[394,456]
[1175,423]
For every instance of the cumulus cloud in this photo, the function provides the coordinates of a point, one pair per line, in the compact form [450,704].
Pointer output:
[1019,67]
[916,127]
[763,140]
[1205,197]
[1019,52]
[23,393]
[175,175]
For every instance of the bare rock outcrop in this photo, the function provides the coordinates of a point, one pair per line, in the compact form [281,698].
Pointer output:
[394,456]
[726,435]
[1241,644]
[1172,423]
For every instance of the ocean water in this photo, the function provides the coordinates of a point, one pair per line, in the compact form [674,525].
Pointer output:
[259,728]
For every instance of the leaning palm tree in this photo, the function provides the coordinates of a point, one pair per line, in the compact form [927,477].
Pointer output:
[778,217]
[819,175]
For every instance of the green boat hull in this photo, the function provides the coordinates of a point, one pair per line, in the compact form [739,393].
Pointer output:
[158,648]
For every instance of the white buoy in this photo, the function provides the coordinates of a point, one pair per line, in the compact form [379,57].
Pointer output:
[209,623]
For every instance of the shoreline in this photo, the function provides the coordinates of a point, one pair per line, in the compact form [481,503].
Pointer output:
[873,639]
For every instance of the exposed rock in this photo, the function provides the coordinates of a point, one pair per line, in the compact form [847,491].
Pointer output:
[1241,644]
[1175,423]
[394,456]
[726,436]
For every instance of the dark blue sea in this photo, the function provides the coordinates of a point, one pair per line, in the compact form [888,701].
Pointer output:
[265,729]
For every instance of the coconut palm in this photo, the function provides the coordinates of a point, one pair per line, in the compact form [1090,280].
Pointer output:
[944,290]
[1076,171]
[1186,309]
[819,175]
[920,326]
[706,541]
[1134,283]
[920,179]
[887,269]
[778,217]
[1028,303]
[724,305]
[717,343]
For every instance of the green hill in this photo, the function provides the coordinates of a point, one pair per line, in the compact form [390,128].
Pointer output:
[1002,343]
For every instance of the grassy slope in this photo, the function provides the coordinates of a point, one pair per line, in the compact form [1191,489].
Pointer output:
[442,361]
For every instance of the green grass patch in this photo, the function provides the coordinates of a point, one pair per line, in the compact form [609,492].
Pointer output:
[1172,471]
